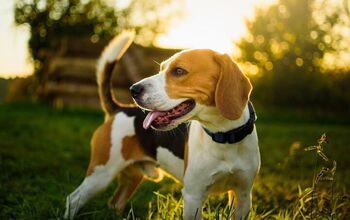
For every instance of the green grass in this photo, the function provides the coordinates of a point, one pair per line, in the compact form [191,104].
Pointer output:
[44,153]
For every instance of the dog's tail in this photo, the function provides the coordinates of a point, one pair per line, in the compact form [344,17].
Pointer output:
[105,65]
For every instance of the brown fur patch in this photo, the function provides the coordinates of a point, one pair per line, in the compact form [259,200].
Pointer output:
[200,81]
[129,180]
[100,146]
[213,79]
[232,90]
[131,149]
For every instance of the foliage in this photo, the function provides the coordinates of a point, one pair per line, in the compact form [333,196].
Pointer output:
[285,48]
[20,89]
[44,153]
[150,18]
[50,20]
[4,84]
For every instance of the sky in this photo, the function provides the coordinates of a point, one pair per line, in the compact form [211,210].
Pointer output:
[213,24]
[13,44]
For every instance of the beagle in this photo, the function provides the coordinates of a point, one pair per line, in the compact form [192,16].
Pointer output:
[214,148]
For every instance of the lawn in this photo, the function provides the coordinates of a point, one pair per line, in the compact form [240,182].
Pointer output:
[44,153]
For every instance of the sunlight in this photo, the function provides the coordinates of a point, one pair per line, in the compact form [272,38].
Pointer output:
[210,24]
[15,55]
[14,52]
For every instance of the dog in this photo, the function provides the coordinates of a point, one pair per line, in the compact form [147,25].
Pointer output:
[203,132]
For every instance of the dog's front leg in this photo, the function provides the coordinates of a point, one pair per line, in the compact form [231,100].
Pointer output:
[193,201]
[242,203]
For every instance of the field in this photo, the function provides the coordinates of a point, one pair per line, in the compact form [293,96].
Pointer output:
[44,153]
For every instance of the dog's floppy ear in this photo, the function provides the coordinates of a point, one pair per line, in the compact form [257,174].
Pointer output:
[233,88]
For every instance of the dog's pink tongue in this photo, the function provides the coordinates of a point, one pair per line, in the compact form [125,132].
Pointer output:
[150,118]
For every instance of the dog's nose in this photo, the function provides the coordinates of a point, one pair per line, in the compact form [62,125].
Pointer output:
[136,90]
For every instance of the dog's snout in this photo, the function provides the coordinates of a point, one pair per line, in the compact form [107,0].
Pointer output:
[136,90]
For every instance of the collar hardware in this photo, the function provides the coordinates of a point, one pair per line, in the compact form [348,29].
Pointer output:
[237,134]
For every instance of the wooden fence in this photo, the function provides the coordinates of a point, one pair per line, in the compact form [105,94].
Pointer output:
[69,77]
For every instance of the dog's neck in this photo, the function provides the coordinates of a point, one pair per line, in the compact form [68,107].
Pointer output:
[211,118]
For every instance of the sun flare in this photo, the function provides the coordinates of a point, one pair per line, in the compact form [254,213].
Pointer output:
[210,24]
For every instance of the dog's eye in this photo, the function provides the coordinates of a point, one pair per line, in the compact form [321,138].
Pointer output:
[178,71]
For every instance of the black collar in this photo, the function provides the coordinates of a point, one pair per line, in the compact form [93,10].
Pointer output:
[237,134]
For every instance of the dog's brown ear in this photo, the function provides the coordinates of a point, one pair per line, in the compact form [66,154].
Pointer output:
[233,88]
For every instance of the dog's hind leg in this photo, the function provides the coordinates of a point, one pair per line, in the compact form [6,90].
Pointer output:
[105,163]
[128,181]
[90,187]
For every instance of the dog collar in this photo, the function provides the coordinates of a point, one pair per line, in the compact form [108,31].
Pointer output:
[237,134]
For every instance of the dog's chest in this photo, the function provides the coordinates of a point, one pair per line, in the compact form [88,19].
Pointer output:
[216,173]
[222,182]
[224,172]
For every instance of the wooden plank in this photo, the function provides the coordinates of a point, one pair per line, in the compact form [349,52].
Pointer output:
[83,101]
[81,47]
[53,88]
[80,102]
[61,67]
[83,70]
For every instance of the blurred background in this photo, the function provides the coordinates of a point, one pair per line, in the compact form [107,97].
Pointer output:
[296,53]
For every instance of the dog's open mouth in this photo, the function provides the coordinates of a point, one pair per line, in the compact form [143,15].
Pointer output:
[160,119]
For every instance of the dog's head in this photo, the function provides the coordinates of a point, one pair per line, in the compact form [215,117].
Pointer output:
[188,83]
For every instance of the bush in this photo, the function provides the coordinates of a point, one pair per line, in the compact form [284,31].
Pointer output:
[21,89]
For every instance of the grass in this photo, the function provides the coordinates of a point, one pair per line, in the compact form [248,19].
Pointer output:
[44,153]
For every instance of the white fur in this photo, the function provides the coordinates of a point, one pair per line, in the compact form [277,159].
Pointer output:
[155,97]
[170,163]
[103,174]
[114,51]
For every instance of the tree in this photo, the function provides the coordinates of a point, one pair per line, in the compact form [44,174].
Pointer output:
[285,48]
[50,20]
